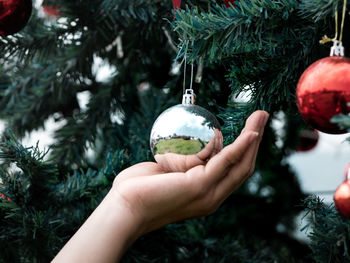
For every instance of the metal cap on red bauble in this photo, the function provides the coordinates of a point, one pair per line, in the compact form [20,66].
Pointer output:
[14,15]
[323,92]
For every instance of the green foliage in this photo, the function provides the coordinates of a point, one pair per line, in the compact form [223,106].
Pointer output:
[343,121]
[329,232]
[234,118]
[223,31]
[37,215]
[266,44]
[261,46]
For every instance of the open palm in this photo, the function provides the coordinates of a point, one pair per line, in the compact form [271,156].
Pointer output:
[159,197]
[147,196]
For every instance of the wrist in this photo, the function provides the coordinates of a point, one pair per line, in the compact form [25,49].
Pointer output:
[105,235]
[125,217]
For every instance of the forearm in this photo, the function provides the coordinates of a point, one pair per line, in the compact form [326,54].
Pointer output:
[104,236]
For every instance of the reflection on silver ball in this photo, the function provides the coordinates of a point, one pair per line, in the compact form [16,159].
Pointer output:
[185,132]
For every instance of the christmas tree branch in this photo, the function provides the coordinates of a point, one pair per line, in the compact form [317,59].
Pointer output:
[250,27]
[329,233]
[28,101]
[343,122]
[29,159]
[82,129]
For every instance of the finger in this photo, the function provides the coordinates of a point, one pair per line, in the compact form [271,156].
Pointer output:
[255,121]
[261,133]
[218,166]
[172,162]
[238,174]
[250,159]
[140,169]
[204,154]
[213,147]
[228,156]
[219,142]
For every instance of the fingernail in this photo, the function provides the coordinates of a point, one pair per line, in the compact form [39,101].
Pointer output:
[253,137]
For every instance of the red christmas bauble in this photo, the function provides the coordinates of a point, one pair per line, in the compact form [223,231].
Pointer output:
[342,195]
[14,15]
[342,199]
[307,140]
[323,91]
[51,11]
[228,2]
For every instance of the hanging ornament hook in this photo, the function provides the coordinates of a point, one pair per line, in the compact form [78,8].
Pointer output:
[337,49]
[342,21]
[189,96]
[184,82]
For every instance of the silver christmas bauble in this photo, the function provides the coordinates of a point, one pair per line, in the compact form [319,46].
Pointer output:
[185,132]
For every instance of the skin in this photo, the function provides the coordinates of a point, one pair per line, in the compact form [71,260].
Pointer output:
[145,197]
[172,162]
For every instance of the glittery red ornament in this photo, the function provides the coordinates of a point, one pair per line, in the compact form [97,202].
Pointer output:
[342,195]
[228,3]
[323,91]
[307,140]
[14,15]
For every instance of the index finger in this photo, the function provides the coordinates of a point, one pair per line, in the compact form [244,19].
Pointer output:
[218,166]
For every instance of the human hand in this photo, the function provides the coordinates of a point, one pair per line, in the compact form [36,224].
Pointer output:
[145,197]
[156,197]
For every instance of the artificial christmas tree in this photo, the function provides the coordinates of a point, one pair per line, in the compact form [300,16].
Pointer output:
[259,45]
